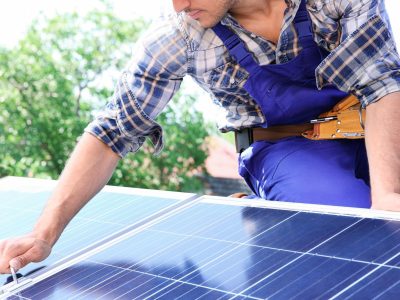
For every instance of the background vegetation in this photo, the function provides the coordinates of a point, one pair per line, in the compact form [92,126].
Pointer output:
[53,81]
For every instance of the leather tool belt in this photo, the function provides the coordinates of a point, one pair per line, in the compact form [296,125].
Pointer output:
[344,121]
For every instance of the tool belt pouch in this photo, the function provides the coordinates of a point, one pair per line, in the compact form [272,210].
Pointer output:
[344,121]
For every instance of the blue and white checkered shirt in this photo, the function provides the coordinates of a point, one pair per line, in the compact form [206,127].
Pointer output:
[363,61]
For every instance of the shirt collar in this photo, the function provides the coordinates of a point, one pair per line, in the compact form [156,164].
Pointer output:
[292,3]
[229,20]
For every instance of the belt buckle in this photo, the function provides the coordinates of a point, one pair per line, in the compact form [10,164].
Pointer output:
[243,139]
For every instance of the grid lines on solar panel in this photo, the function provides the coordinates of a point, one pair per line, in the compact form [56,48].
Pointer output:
[382,284]
[232,250]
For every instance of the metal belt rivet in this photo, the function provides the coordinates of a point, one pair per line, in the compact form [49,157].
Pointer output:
[360,115]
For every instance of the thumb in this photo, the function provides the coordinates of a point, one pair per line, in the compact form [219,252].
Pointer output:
[18,262]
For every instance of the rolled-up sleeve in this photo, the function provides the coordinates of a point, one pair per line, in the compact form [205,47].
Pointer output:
[154,74]
[366,62]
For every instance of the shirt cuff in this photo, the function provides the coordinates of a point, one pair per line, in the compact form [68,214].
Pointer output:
[105,128]
[366,63]
[110,135]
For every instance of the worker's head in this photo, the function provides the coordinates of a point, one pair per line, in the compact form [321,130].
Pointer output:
[206,12]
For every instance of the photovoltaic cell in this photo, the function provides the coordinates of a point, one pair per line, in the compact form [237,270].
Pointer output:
[303,232]
[384,284]
[310,276]
[369,240]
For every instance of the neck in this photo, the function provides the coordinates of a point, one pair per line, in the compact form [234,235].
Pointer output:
[262,17]
[248,9]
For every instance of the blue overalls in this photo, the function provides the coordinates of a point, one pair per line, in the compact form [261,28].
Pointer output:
[296,169]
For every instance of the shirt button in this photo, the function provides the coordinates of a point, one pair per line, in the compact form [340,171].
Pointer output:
[332,47]
[253,35]
[232,80]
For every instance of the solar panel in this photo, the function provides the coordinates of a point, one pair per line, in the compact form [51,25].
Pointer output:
[22,200]
[218,248]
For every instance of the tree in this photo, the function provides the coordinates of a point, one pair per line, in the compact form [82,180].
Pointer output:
[53,80]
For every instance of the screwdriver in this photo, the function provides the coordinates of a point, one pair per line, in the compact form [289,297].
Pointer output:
[14,275]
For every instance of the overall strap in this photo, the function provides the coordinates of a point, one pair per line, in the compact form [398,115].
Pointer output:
[239,51]
[236,47]
[303,24]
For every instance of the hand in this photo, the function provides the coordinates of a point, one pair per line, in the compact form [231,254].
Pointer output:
[20,251]
[387,202]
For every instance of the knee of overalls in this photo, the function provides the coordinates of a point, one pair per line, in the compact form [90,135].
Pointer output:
[300,170]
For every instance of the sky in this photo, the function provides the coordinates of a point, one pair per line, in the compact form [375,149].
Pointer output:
[16,15]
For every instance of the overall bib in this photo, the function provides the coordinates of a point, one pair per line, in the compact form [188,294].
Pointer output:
[296,169]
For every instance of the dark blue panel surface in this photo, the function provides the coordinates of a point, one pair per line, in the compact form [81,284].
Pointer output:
[395,261]
[17,298]
[302,232]
[369,240]
[310,277]
[384,283]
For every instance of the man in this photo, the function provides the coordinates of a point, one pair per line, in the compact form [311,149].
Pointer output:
[259,59]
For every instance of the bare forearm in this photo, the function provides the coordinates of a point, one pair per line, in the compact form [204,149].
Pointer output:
[383,145]
[87,171]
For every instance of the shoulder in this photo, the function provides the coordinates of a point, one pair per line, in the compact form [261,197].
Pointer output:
[337,9]
[326,8]
[163,30]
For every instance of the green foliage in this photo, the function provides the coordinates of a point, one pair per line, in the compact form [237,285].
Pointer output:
[52,81]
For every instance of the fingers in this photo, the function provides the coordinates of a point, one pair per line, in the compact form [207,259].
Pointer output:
[19,252]
[19,262]
[389,202]
[9,250]
[24,259]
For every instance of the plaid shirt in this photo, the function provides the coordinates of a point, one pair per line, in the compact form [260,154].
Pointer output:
[363,61]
